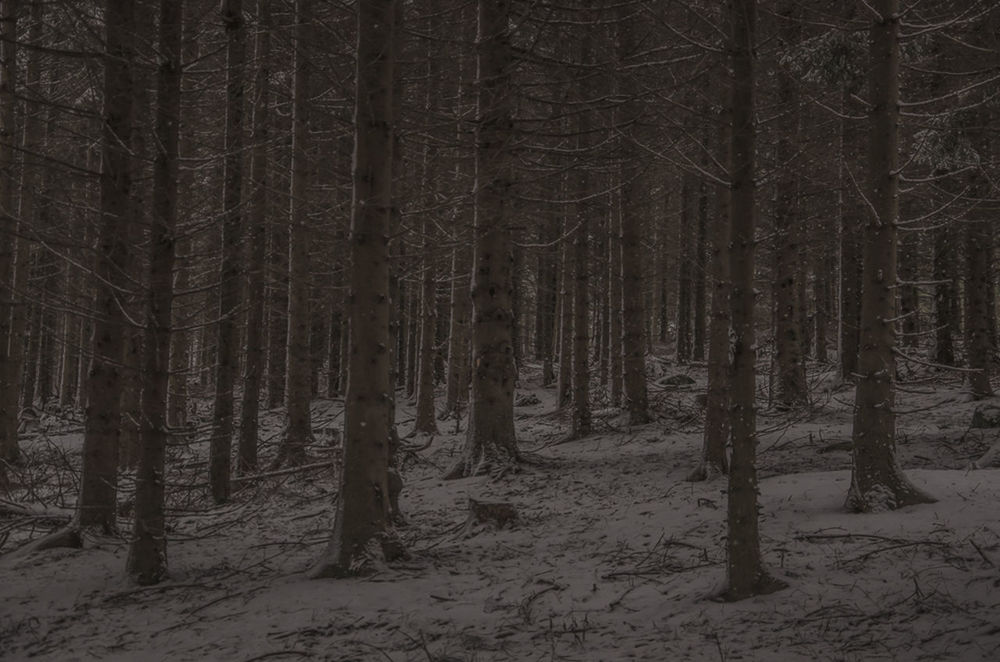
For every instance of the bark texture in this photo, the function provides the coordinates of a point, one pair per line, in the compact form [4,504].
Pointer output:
[877,482]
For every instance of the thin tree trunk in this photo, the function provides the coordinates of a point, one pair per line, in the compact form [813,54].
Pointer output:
[298,392]
[615,350]
[684,281]
[254,368]
[227,344]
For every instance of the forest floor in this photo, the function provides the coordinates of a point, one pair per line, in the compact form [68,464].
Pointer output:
[613,556]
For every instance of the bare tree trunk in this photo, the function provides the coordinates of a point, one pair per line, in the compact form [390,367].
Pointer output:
[700,275]
[877,482]
[14,250]
[298,392]
[745,572]
[147,559]
[99,478]
[945,307]
[227,347]
[788,330]
[458,336]
[490,443]
[714,458]
[425,421]
[615,350]
[684,281]
[362,529]
[254,369]
[564,382]
[978,281]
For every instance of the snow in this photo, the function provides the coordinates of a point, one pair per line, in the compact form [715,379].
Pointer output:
[613,556]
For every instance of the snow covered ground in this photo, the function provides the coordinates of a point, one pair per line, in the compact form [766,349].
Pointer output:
[613,556]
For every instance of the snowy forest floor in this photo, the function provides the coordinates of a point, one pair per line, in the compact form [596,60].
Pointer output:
[613,555]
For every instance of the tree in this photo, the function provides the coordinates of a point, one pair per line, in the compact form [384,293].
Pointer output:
[147,559]
[745,572]
[10,386]
[254,368]
[633,308]
[96,505]
[227,335]
[362,531]
[490,443]
[298,394]
[877,482]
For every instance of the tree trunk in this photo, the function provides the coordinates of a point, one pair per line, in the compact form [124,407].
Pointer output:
[945,307]
[978,281]
[227,344]
[147,559]
[700,276]
[615,350]
[99,477]
[254,368]
[684,282]
[714,458]
[14,251]
[490,443]
[745,572]
[564,381]
[298,391]
[788,330]
[877,482]
[362,527]
[632,273]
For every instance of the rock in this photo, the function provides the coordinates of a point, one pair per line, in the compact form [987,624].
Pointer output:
[675,380]
[986,416]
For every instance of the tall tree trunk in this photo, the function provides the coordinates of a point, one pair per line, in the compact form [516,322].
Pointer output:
[788,331]
[99,478]
[978,281]
[227,344]
[298,391]
[684,281]
[490,443]
[700,275]
[877,482]
[632,273]
[363,522]
[14,250]
[147,559]
[564,381]
[615,350]
[714,457]
[745,572]
[254,368]
[945,306]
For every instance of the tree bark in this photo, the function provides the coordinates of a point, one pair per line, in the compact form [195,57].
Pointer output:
[298,390]
[13,249]
[632,274]
[147,559]
[253,371]
[362,532]
[746,575]
[227,332]
[877,482]
[99,477]
[490,443]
